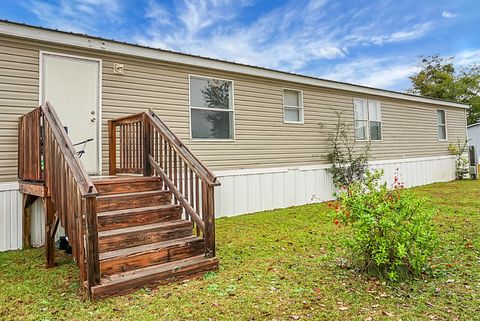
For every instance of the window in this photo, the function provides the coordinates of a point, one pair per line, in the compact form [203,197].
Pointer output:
[368,119]
[375,119]
[211,108]
[361,119]
[442,124]
[292,106]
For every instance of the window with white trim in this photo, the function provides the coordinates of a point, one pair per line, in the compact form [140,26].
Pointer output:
[375,119]
[292,106]
[442,124]
[211,108]
[368,119]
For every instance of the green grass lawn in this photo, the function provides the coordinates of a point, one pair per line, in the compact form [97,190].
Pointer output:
[278,265]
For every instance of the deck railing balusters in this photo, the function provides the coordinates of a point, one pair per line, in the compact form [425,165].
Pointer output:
[190,182]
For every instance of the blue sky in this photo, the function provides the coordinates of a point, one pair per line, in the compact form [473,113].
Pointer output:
[374,43]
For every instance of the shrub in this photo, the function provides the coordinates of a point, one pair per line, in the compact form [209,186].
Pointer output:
[349,162]
[392,235]
[461,161]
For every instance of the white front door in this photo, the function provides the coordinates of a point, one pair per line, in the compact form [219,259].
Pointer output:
[72,86]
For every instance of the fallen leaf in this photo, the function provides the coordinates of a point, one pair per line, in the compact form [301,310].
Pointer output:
[389,314]
[343,308]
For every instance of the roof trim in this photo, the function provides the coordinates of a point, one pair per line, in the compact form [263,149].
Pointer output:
[85,41]
[472,125]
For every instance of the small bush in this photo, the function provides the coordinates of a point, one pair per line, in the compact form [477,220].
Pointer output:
[459,150]
[349,161]
[392,235]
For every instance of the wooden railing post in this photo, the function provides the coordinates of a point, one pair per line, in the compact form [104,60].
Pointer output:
[209,219]
[112,148]
[147,167]
[49,222]
[92,256]
[29,142]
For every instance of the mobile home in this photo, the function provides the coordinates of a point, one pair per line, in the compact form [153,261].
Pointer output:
[261,139]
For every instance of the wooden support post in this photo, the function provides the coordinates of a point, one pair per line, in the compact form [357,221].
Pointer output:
[112,148]
[208,207]
[147,167]
[92,256]
[27,201]
[49,226]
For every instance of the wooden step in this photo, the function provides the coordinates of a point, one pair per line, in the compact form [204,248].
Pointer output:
[122,283]
[150,254]
[143,234]
[127,184]
[138,216]
[132,200]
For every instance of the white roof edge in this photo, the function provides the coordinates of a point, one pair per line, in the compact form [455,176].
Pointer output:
[471,125]
[84,41]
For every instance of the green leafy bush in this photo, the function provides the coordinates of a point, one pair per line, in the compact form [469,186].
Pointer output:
[459,150]
[392,235]
[349,161]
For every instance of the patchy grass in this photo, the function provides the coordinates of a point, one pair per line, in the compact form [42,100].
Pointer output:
[277,265]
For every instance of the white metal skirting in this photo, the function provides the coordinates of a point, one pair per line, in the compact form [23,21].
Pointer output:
[243,191]
[11,224]
[249,191]
[10,217]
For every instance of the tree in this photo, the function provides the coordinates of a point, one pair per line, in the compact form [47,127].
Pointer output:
[438,78]
[217,95]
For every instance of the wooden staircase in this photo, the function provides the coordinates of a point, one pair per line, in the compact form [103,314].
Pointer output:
[142,238]
[150,222]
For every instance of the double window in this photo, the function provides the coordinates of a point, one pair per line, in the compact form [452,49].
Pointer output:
[368,119]
[292,106]
[211,108]
[442,124]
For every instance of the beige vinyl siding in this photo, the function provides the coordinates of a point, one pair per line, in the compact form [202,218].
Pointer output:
[262,139]
[18,94]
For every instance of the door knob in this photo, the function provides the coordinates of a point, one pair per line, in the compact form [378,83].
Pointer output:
[93,119]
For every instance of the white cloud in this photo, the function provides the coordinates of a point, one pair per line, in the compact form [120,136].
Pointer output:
[82,16]
[379,73]
[413,33]
[448,14]
[388,73]
[288,38]
[278,39]
[467,57]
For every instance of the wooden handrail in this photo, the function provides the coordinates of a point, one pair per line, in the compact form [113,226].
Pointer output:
[85,184]
[128,119]
[196,218]
[147,145]
[70,196]
[78,214]
[183,150]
